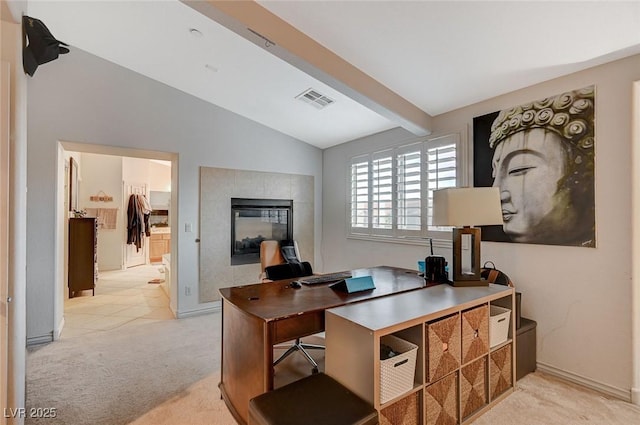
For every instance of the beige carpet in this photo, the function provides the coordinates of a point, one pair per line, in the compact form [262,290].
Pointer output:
[538,400]
[166,373]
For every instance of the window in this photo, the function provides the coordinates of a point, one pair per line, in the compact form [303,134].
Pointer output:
[391,191]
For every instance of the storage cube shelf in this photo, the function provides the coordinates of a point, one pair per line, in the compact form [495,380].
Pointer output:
[457,375]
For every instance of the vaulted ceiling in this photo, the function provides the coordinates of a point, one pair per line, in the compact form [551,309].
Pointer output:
[383,64]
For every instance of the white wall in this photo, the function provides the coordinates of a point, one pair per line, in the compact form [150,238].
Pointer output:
[580,297]
[102,174]
[160,177]
[84,99]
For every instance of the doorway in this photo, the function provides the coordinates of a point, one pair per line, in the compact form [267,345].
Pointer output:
[127,286]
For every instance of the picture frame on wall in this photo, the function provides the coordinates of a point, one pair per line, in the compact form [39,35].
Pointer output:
[73,185]
[541,155]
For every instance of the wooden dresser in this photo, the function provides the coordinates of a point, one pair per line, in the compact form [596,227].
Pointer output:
[83,260]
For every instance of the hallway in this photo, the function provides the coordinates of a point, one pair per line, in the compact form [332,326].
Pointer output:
[122,298]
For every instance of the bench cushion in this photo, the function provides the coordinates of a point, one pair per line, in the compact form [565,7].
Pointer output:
[315,400]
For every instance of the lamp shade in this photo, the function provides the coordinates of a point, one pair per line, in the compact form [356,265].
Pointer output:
[467,206]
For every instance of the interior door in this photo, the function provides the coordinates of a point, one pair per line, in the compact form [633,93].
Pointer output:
[133,256]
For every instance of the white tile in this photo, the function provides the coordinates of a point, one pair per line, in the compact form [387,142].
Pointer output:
[122,298]
[134,311]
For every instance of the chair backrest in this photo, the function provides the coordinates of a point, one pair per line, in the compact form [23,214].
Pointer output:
[288,271]
[270,254]
[290,251]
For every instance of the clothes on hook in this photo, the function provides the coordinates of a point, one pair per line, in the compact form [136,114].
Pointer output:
[138,212]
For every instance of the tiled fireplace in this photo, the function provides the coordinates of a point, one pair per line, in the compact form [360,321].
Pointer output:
[218,186]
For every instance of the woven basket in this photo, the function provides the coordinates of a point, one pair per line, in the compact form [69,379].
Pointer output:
[405,411]
[441,401]
[500,371]
[473,392]
[443,347]
[475,333]
[397,373]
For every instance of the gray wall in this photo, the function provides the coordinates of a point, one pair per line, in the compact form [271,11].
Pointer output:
[82,98]
[580,297]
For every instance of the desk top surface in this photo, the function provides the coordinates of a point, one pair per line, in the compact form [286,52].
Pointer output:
[277,300]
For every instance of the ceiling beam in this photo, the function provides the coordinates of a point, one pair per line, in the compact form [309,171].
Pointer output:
[258,25]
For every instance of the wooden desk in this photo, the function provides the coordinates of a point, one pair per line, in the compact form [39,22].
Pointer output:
[256,317]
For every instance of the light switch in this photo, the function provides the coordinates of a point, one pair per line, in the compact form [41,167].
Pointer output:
[188,228]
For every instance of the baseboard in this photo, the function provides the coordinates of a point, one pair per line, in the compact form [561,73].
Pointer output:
[635,396]
[58,332]
[586,382]
[37,340]
[198,311]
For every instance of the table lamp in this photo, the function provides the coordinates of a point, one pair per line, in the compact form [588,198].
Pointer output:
[462,208]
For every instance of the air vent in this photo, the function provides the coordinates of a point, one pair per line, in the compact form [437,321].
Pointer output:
[317,100]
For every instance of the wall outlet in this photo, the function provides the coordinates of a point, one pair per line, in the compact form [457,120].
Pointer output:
[187,290]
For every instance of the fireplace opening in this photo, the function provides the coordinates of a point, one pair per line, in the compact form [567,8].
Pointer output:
[256,220]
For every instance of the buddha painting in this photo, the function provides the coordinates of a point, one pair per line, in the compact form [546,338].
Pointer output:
[541,157]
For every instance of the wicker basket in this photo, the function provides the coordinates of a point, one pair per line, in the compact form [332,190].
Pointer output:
[397,373]
[405,411]
[443,347]
[475,333]
[500,371]
[441,401]
[473,390]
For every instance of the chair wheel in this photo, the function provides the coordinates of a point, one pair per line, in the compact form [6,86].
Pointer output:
[314,370]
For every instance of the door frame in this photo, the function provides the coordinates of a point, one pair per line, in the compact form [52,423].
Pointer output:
[61,224]
[5,300]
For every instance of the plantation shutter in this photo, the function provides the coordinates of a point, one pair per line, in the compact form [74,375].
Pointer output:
[360,194]
[408,189]
[382,191]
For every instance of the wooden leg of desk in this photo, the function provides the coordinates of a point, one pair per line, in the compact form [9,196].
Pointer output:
[246,365]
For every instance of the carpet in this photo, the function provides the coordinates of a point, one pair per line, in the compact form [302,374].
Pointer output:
[113,377]
[166,373]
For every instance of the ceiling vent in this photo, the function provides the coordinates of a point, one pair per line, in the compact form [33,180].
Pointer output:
[317,100]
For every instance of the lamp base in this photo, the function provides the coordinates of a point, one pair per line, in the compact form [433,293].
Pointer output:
[465,283]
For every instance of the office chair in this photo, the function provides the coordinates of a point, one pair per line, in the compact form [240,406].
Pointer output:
[287,270]
[270,255]
[273,253]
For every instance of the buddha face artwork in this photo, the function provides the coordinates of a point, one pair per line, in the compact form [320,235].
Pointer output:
[541,157]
